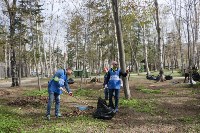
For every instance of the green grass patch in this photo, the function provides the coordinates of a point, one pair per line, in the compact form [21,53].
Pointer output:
[15,120]
[53,129]
[176,73]
[79,124]
[147,106]
[148,91]
[195,91]
[190,119]
[187,119]
[11,121]
[42,92]
[197,85]
[172,93]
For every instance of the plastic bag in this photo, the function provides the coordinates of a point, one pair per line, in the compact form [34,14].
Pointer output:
[103,111]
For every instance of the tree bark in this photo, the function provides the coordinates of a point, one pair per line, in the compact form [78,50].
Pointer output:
[6,58]
[145,50]
[121,47]
[12,16]
[159,43]
[158,33]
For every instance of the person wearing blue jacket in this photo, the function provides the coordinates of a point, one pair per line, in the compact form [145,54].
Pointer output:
[55,89]
[114,84]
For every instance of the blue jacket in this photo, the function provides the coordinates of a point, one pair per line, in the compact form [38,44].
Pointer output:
[59,79]
[113,78]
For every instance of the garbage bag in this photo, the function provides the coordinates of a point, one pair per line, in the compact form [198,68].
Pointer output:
[168,77]
[196,76]
[152,77]
[70,81]
[103,111]
[94,79]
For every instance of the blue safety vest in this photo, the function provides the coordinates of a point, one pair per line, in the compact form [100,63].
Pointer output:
[114,81]
[58,81]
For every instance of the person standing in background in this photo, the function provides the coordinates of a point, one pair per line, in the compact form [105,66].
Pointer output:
[114,84]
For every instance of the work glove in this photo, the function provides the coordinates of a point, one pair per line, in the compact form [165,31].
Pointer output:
[70,94]
[106,86]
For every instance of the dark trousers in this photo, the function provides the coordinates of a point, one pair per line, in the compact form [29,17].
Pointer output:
[116,97]
[186,76]
[106,92]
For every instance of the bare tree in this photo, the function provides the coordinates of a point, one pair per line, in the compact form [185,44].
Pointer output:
[12,9]
[144,41]
[159,43]
[120,46]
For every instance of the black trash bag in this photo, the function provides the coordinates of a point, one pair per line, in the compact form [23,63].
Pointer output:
[152,77]
[70,81]
[168,77]
[94,80]
[157,78]
[103,111]
[196,76]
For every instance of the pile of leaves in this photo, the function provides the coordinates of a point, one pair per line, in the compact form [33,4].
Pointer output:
[77,112]
[35,101]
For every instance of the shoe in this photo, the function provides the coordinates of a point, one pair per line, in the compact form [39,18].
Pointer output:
[59,115]
[48,117]
[116,110]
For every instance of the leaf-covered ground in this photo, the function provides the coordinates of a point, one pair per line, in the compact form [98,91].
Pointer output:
[169,106]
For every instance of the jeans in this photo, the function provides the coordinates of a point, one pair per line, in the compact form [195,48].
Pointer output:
[53,96]
[116,97]
[106,92]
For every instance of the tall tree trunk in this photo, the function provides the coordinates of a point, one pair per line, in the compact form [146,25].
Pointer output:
[53,54]
[76,53]
[158,33]
[84,56]
[159,43]
[50,57]
[145,50]
[41,57]
[20,57]
[133,55]
[121,47]
[196,32]
[134,58]
[189,42]
[38,58]
[178,28]
[12,16]
[6,59]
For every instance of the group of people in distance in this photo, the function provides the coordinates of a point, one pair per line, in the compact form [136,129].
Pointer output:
[59,81]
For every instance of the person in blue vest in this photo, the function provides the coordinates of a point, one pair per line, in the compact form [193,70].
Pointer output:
[114,84]
[55,89]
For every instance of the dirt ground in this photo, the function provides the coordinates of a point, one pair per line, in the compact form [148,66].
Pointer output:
[177,106]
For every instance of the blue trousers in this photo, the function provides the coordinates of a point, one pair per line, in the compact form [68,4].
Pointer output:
[114,92]
[53,96]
